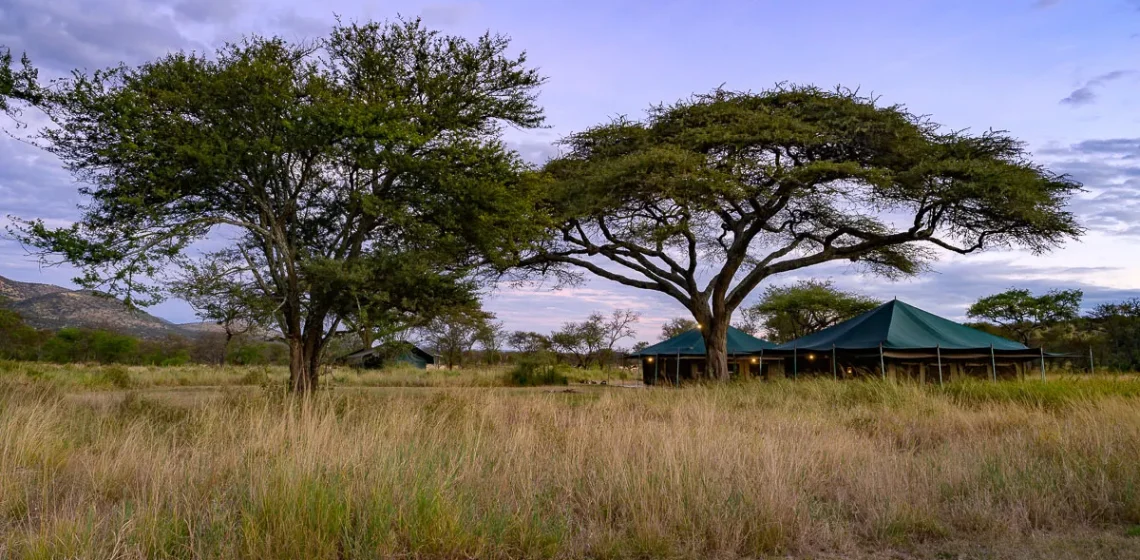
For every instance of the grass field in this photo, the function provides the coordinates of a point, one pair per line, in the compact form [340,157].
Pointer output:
[201,462]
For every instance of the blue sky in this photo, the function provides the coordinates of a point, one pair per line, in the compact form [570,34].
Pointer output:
[1058,74]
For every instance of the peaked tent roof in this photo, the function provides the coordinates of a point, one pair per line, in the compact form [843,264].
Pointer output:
[692,343]
[897,325]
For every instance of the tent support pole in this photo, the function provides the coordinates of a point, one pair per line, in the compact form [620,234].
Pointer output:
[938,350]
[993,364]
[834,375]
[1042,363]
[882,362]
[1092,366]
[760,365]
[678,368]
[796,362]
[656,364]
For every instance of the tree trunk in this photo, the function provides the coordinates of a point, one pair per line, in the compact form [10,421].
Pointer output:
[299,379]
[226,348]
[716,348]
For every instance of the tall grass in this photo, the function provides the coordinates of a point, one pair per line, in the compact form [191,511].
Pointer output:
[752,469]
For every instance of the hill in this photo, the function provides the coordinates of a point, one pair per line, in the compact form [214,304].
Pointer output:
[47,306]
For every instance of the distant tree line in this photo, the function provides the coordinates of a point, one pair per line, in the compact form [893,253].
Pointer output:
[20,341]
[593,342]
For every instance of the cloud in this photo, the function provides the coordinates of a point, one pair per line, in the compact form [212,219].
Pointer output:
[208,11]
[1110,171]
[66,34]
[451,13]
[1086,94]
[534,152]
[1046,3]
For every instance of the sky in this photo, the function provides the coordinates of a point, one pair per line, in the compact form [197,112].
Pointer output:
[1058,74]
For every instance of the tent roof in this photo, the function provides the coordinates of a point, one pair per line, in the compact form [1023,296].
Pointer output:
[691,343]
[899,326]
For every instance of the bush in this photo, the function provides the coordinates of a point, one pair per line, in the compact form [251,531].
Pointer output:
[116,376]
[532,374]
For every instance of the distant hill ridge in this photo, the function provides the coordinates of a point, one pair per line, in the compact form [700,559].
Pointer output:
[46,306]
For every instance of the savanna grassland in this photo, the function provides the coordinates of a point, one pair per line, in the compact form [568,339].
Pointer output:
[197,462]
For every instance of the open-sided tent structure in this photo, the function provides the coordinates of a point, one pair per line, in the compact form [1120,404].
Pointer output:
[683,356]
[900,339]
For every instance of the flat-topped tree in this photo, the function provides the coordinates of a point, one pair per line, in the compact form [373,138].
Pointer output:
[314,158]
[706,198]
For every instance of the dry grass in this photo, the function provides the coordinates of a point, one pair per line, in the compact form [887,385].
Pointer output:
[814,468]
[95,377]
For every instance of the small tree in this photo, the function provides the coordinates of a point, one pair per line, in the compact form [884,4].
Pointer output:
[581,340]
[1118,327]
[530,343]
[707,198]
[786,313]
[617,327]
[492,338]
[218,294]
[1021,313]
[676,326]
[455,333]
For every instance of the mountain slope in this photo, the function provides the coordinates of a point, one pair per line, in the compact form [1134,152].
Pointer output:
[46,306]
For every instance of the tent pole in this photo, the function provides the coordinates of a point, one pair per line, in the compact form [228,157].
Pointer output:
[678,376]
[882,362]
[834,375]
[1042,363]
[938,351]
[656,364]
[760,366]
[796,362]
[993,364]
[1092,366]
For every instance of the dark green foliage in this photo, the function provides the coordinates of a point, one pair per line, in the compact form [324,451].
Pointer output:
[334,167]
[1117,326]
[533,373]
[83,345]
[785,313]
[1022,314]
[706,198]
[18,341]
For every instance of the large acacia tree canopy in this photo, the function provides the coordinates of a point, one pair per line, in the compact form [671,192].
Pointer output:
[322,162]
[736,187]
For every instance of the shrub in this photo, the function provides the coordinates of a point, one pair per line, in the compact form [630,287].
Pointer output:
[532,374]
[116,376]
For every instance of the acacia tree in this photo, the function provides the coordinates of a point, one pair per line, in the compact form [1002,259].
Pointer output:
[1022,313]
[310,159]
[454,333]
[220,295]
[582,340]
[617,327]
[786,313]
[707,198]
[492,337]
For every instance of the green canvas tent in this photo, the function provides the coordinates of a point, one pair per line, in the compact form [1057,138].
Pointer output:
[692,343]
[899,338]
[897,326]
[683,356]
